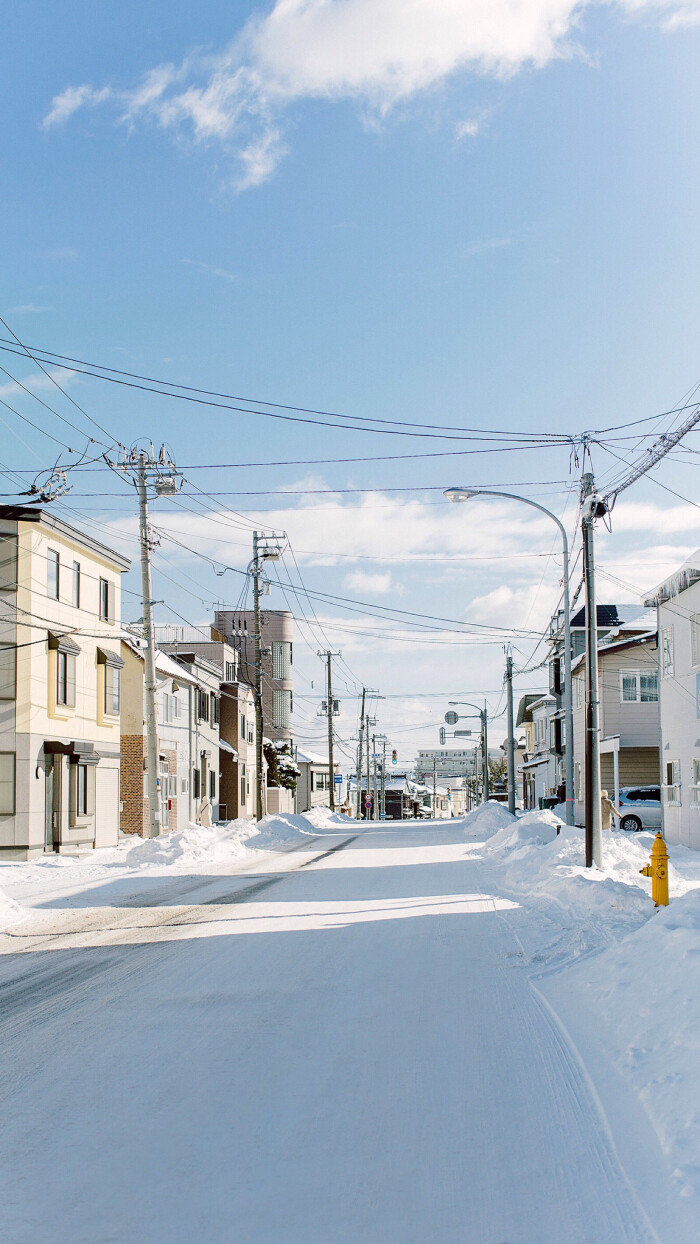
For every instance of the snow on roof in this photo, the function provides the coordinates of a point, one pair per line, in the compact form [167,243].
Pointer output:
[310,758]
[678,582]
[165,666]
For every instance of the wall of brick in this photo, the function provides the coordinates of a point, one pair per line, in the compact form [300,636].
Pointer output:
[132,784]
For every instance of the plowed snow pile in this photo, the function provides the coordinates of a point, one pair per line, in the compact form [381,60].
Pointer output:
[10,912]
[629,972]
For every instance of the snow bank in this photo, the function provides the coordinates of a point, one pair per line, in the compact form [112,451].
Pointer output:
[487,819]
[534,828]
[645,994]
[195,843]
[10,912]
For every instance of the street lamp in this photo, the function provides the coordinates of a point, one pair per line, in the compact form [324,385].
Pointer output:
[466,494]
[453,718]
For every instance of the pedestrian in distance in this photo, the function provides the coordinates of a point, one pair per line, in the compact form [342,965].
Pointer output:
[607,810]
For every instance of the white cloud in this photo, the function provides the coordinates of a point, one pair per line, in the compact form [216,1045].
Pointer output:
[375,54]
[379,584]
[28,308]
[37,383]
[212,271]
[71,100]
[468,129]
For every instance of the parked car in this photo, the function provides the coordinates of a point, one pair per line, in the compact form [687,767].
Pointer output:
[640,807]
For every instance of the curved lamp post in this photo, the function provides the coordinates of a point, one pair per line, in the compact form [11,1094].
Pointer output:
[466,494]
[483,715]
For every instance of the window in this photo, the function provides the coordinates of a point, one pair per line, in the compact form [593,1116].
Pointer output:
[8,563]
[82,791]
[171,708]
[667,663]
[202,704]
[76,584]
[281,659]
[212,785]
[184,785]
[214,706]
[53,579]
[230,671]
[8,671]
[638,688]
[695,638]
[578,792]
[106,600]
[7,783]
[196,783]
[578,691]
[672,789]
[281,709]
[65,679]
[112,686]
[695,788]
[243,784]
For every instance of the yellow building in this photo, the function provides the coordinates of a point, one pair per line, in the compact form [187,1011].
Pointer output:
[60,666]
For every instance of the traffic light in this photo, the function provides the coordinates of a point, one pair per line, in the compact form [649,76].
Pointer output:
[394,756]
[443,736]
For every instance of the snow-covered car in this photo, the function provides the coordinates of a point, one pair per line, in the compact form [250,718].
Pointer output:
[640,807]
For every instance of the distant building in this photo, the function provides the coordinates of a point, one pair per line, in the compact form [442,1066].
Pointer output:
[314,782]
[277,628]
[538,769]
[453,762]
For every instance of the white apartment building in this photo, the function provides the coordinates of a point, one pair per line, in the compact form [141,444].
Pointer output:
[677,602]
[60,686]
[539,772]
[453,762]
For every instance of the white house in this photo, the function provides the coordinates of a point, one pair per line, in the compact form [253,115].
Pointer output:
[314,782]
[677,603]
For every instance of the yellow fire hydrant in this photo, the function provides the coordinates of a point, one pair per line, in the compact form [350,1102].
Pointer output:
[658,871]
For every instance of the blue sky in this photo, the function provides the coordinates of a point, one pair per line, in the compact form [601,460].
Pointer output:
[448,218]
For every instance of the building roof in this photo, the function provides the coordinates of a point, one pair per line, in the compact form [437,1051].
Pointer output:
[606,615]
[526,702]
[35,514]
[165,666]
[628,641]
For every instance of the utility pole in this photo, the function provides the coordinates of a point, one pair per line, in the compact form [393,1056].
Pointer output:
[485,744]
[383,794]
[359,755]
[149,655]
[160,477]
[510,741]
[368,722]
[262,551]
[434,785]
[594,829]
[375,805]
[330,712]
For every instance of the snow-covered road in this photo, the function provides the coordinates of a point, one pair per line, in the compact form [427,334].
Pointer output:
[334,1043]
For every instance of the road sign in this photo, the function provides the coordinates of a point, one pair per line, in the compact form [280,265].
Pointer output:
[451,718]
[338,779]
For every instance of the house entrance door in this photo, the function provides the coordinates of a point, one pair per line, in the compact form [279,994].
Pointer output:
[52,803]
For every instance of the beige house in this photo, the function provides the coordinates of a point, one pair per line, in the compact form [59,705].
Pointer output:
[60,685]
[629,712]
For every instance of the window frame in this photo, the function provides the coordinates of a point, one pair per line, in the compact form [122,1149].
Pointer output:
[12,668]
[694,621]
[10,782]
[76,585]
[668,667]
[53,571]
[638,675]
[113,676]
[65,679]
